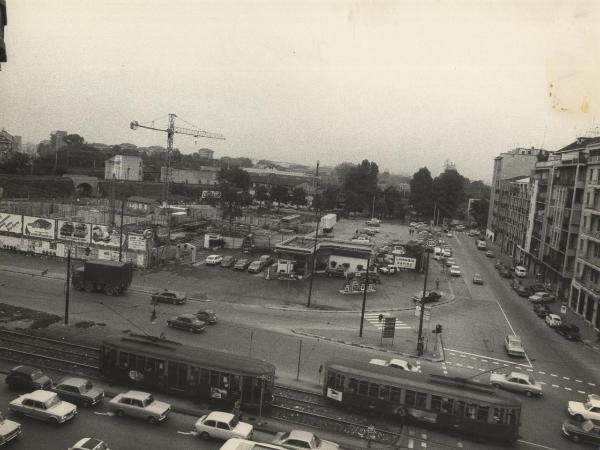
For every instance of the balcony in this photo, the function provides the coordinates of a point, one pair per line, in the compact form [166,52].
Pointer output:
[593,260]
[590,234]
[587,284]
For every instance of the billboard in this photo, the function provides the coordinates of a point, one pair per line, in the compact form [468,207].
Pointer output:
[74,231]
[39,227]
[136,242]
[11,223]
[404,262]
[106,235]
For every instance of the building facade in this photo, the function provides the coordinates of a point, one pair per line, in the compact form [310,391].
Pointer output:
[122,167]
[206,153]
[206,175]
[3,23]
[8,143]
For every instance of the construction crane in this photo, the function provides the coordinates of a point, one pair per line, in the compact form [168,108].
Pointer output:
[171,130]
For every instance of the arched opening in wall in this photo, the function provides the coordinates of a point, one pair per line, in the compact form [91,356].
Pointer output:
[84,190]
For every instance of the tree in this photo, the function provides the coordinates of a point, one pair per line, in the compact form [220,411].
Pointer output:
[298,196]
[394,206]
[279,194]
[261,194]
[16,164]
[449,192]
[479,211]
[234,184]
[360,186]
[421,192]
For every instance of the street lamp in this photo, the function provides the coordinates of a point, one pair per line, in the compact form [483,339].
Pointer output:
[427,249]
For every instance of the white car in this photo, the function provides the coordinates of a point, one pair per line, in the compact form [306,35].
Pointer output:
[455,271]
[520,271]
[516,381]
[89,444]
[585,411]
[447,252]
[43,405]
[387,270]
[303,440]
[222,425]
[513,346]
[396,364]
[140,405]
[361,240]
[242,444]
[213,260]
[553,320]
[9,430]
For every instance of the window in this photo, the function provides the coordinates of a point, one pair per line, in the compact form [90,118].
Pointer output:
[483,413]
[471,411]
[363,387]
[421,400]
[353,385]
[209,423]
[384,393]
[374,390]
[447,404]
[436,403]
[410,398]
[499,415]
[395,395]
[459,408]
[222,426]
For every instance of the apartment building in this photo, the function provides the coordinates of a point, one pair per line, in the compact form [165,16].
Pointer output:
[512,205]
[124,167]
[584,298]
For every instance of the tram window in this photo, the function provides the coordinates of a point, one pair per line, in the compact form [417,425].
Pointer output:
[447,404]
[483,412]
[510,416]
[235,382]
[363,387]
[204,376]
[353,385]
[421,400]
[459,408]
[395,395]
[331,380]
[436,403]
[471,411]
[215,379]
[499,415]
[410,397]
[374,390]
[124,359]
[384,393]
[339,381]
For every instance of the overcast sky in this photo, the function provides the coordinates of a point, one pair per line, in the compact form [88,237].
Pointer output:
[406,84]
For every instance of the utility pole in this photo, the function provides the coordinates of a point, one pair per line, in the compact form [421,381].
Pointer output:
[121,230]
[373,208]
[364,302]
[67,286]
[422,304]
[314,261]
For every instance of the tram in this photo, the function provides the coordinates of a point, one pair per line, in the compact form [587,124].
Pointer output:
[446,403]
[152,363]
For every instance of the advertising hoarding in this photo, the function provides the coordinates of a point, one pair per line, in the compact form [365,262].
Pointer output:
[136,242]
[404,262]
[74,231]
[39,227]
[106,235]
[11,223]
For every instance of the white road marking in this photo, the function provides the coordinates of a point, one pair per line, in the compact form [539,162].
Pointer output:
[553,375]
[104,413]
[490,358]
[581,392]
[591,384]
[578,381]
[540,372]
[568,389]
[566,378]
[373,319]
[188,432]
[555,385]
[536,445]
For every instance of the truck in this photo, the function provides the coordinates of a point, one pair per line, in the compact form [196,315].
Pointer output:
[110,277]
[328,221]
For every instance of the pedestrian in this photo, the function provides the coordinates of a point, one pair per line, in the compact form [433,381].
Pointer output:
[437,283]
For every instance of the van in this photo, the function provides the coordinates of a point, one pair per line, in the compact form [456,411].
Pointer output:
[438,253]
[481,245]
[520,271]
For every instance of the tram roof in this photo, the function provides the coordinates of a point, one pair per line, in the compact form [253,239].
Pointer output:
[162,348]
[452,387]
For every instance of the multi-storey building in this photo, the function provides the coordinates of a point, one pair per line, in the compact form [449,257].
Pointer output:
[57,139]
[512,205]
[3,22]
[206,153]
[584,297]
[9,144]
[508,166]
[207,175]
[124,167]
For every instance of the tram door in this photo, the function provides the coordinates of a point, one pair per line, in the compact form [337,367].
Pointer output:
[177,376]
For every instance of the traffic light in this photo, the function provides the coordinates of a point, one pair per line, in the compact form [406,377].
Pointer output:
[438,328]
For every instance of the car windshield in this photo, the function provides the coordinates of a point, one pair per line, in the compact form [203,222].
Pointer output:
[587,405]
[87,386]
[315,442]
[233,422]
[148,400]
[52,401]
[36,374]
[514,341]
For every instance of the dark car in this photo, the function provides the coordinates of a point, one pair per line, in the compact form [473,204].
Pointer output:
[188,322]
[228,261]
[521,290]
[537,287]
[67,229]
[570,332]
[242,264]
[266,260]
[79,391]
[28,378]
[168,296]
[430,296]
[338,271]
[587,431]
[505,272]
[207,315]
[541,310]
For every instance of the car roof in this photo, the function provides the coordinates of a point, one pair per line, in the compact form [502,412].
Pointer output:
[24,369]
[220,416]
[74,381]
[301,435]
[139,395]
[554,316]
[88,443]
[521,375]
[40,395]
[187,315]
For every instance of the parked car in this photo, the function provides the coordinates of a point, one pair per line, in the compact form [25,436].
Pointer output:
[361,240]
[337,271]
[9,430]
[584,411]
[266,260]
[243,444]
[498,264]
[489,254]
[242,264]
[228,261]
[537,287]
[585,432]
[372,230]
[570,332]
[541,297]
[541,310]
[516,381]
[188,322]
[140,405]
[79,391]
[396,364]
[222,425]
[520,271]
[168,296]
[27,378]
[477,279]
[255,267]
[430,296]
[521,290]
[388,269]
[213,260]
[373,222]
[447,252]
[303,440]
[505,272]
[207,315]
[553,320]
[455,271]
[43,405]
[450,262]
[513,346]
[89,444]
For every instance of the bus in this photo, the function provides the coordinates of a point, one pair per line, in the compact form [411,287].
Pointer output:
[153,363]
[449,404]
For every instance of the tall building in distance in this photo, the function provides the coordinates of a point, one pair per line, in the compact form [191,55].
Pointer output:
[57,138]
[8,143]
[206,153]
[122,167]
[3,23]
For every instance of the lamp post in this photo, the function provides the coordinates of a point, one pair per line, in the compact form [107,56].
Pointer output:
[314,260]
[428,249]
[67,286]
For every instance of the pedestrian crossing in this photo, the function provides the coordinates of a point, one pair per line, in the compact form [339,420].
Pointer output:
[373,319]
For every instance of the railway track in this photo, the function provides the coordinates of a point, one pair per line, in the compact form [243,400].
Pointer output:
[311,409]
[49,353]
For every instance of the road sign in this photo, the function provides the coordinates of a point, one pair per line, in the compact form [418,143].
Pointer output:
[563,309]
[389,327]
[431,243]
[426,313]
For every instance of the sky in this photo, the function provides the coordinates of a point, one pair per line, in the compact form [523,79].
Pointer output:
[406,84]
